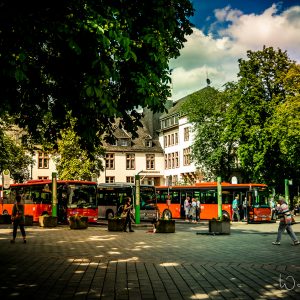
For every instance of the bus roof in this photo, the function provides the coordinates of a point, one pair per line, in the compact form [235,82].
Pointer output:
[213,184]
[48,181]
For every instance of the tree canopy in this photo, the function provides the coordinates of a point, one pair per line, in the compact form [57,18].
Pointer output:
[212,152]
[256,120]
[73,163]
[14,158]
[100,60]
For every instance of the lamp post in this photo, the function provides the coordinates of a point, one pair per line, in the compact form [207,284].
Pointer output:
[219,186]
[54,194]
[137,197]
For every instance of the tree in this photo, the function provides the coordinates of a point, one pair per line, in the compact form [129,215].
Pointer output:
[264,107]
[213,150]
[14,158]
[73,163]
[100,60]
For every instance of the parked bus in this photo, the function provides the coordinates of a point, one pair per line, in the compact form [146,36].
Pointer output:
[111,198]
[73,197]
[254,195]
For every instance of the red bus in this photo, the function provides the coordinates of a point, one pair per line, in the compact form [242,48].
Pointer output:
[253,195]
[73,197]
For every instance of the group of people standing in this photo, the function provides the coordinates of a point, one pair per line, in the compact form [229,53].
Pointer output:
[192,209]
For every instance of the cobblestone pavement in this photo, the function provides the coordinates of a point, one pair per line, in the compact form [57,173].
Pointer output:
[59,263]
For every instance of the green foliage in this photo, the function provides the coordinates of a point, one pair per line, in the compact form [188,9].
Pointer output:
[14,158]
[72,162]
[264,117]
[213,149]
[100,60]
[256,121]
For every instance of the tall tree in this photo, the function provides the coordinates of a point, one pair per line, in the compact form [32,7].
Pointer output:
[73,163]
[100,60]
[260,117]
[213,150]
[14,158]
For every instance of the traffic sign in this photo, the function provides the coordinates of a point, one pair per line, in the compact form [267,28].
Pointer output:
[6,179]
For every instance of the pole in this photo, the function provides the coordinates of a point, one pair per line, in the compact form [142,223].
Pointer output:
[137,198]
[219,197]
[54,195]
[286,189]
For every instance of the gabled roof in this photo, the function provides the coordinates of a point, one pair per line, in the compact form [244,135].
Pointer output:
[175,109]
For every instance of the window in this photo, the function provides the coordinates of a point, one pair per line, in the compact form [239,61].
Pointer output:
[173,160]
[130,161]
[186,133]
[176,160]
[187,156]
[172,139]
[130,179]
[148,143]
[43,177]
[150,161]
[165,141]
[110,161]
[124,142]
[175,179]
[43,160]
[166,161]
[169,161]
[176,138]
[109,179]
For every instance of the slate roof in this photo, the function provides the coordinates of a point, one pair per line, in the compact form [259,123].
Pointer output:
[137,144]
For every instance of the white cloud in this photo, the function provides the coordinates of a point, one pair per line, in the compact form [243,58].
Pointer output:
[219,56]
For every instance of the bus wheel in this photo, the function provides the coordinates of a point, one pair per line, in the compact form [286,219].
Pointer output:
[44,213]
[109,214]
[167,214]
[5,212]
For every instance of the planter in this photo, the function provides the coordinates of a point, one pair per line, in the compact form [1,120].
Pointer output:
[216,226]
[165,226]
[116,224]
[78,222]
[47,221]
[5,219]
[28,220]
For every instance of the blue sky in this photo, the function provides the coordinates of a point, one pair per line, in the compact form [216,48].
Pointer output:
[224,31]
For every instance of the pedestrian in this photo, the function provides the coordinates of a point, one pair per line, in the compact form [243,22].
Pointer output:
[245,209]
[18,219]
[273,209]
[235,208]
[285,222]
[198,210]
[186,206]
[193,210]
[127,214]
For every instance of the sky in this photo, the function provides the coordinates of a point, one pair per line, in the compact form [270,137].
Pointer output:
[223,31]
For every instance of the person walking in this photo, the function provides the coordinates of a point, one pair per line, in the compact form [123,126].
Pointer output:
[198,210]
[235,208]
[193,210]
[127,213]
[285,222]
[18,219]
[187,208]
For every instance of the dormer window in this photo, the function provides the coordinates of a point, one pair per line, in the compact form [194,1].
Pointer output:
[148,143]
[124,142]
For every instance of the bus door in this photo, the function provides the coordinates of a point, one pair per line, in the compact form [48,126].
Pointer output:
[148,205]
[250,207]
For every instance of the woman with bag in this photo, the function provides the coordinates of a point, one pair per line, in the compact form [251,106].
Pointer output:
[285,222]
[127,214]
[18,219]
